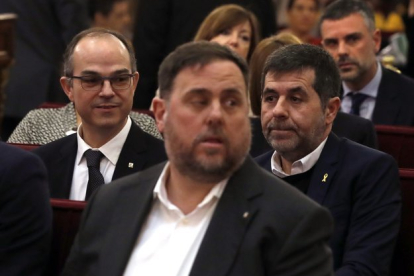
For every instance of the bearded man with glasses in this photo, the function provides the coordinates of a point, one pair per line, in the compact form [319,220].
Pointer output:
[100,77]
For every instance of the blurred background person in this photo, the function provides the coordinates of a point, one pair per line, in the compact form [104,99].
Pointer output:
[161,25]
[232,26]
[111,14]
[43,29]
[302,17]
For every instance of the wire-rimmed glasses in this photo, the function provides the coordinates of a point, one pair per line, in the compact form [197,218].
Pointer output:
[95,82]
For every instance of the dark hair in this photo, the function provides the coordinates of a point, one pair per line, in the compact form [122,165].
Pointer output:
[292,2]
[102,6]
[257,61]
[299,57]
[344,8]
[95,32]
[191,54]
[225,17]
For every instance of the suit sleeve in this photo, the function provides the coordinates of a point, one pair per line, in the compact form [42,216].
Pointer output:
[375,220]
[150,33]
[306,250]
[25,215]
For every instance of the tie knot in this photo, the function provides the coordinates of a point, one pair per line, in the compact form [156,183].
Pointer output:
[93,158]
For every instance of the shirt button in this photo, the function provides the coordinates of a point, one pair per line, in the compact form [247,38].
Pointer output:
[184,221]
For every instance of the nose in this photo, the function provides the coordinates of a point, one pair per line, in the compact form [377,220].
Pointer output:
[280,110]
[106,90]
[215,116]
[233,39]
[342,48]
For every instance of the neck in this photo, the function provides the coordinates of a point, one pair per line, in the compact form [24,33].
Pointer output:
[96,137]
[184,192]
[363,80]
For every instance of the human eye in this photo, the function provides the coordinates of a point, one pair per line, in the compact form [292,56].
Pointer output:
[269,98]
[91,81]
[120,79]
[330,43]
[296,99]
[352,39]
[225,32]
[245,38]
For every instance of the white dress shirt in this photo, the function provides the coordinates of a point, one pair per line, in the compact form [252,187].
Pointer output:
[169,240]
[111,151]
[371,89]
[299,166]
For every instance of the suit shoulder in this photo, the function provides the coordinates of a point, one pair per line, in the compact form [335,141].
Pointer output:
[262,159]
[52,147]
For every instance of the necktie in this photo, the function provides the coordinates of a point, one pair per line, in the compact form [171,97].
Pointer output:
[93,160]
[357,100]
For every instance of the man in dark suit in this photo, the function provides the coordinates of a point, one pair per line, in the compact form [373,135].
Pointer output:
[210,210]
[43,29]
[25,213]
[369,90]
[100,81]
[359,185]
[162,25]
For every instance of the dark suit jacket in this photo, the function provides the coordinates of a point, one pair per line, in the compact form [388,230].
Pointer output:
[276,238]
[353,127]
[393,105]
[363,194]
[25,213]
[140,148]
[43,29]
[162,25]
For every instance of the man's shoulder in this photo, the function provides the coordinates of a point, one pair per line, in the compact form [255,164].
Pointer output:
[264,158]
[57,145]
[396,80]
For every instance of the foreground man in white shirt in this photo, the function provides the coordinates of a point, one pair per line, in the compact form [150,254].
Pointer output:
[210,210]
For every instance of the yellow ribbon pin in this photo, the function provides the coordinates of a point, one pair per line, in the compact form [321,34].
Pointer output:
[325,176]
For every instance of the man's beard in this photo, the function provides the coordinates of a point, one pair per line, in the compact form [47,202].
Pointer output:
[213,165]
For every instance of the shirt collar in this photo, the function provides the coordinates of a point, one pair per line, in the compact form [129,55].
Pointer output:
[160,190]
[300,166]
[371,89]
[111,150]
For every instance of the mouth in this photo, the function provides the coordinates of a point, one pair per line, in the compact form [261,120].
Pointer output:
[345,65]
[106,106]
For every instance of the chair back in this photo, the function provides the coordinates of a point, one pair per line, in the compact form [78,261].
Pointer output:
[403,259]
[66,220]
[398,141]
[27,147]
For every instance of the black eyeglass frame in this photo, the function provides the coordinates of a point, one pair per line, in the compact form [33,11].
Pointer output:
[102,79]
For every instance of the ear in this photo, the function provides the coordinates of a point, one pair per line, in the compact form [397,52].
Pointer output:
[376,36]
[135,80]
[332,109]
[160,112]
[67,87]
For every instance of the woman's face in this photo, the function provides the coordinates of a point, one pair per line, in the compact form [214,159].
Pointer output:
[303,16]
[237,38]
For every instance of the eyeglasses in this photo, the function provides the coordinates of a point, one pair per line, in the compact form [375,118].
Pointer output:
[95,83]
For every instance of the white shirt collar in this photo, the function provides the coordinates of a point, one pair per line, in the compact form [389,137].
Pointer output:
[111,150]
[371,89]
[160,190]
[300,166]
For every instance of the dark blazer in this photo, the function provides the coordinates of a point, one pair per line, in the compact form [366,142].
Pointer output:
[363,194]
[275,238]
[353,127]
[59,156]
[25,213]
[393,105]
[162,25]
[43,29]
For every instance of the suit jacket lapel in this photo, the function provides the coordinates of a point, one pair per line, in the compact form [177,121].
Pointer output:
[228,224]
[325,169]
[132,209]
[133,154]
[386,105]
[62,172]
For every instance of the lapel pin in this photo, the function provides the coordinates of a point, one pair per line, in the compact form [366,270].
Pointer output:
[325,176]
[130,165]
[246,215]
